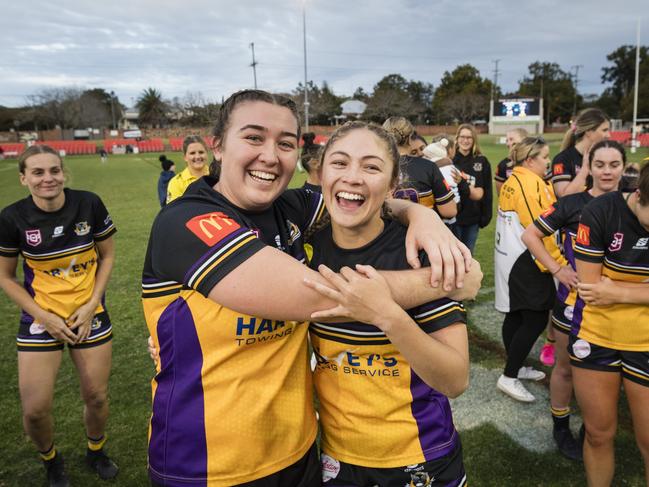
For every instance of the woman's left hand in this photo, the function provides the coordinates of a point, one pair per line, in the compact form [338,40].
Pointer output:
[602,293]
[82,319]
[449,258]
[362,295]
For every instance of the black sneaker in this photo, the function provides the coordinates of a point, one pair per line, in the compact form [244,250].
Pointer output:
[567,445]
[100,463]
[55,469]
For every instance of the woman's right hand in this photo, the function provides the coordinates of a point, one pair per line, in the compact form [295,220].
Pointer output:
[567,276]
[57,327]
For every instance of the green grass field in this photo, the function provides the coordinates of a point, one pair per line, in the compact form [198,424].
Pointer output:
[127,185]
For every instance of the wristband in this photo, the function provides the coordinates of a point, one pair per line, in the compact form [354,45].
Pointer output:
[557,271]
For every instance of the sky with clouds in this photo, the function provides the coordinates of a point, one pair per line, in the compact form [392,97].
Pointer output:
[204,46]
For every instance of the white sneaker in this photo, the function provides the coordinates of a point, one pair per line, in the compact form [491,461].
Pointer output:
[514,388]
[530,373]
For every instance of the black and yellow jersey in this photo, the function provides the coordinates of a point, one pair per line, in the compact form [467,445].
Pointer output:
[422,182]
[610,234]
[58,249]
[563,216]
[523,198]
[565,165]
[503,170]
[232,399]
[374,409]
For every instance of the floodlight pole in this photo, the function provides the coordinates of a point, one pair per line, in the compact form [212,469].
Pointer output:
[306,87]
[576,67]
[635,91]
[254,63]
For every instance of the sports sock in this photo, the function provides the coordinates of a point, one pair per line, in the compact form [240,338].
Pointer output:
[48,454]
[96,444]
[561,417]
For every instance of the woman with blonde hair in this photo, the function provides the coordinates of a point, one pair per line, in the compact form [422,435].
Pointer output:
[195,153]
[475,211]
[524,287]
[569,175]
[506,166]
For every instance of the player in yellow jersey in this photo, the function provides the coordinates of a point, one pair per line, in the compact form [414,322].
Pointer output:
[195,153]
[384,375]
[606,164]
[524,288]
[611,346]
[223,295]
[65,239]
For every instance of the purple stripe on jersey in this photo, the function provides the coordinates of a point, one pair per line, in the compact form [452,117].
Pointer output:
[178,445]
[28,272]
[432,412]
[563,291]
[213,250]
[577,316]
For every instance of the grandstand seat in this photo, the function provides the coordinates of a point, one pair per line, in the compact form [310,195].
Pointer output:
[12,149]
[176,144]
[644,140]
[622,137]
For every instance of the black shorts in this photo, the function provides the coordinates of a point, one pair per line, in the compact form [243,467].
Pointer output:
[303,473]
[32,337]
[446,471]
[633,366]
[562,317]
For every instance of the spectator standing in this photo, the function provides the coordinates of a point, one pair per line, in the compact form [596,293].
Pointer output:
[168,172]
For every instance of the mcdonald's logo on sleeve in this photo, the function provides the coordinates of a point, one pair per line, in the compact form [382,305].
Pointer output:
[213,227]
[583,234]
[548,212]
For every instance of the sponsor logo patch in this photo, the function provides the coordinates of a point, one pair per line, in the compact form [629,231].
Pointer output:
[548,212]
[33,237]
[583,234]
[81,229]
[477,166]
[581,349]
[213,227]
[58,231]
[96,323]
[641,244]
[557,169]
[36,328]
[330,467]
[569,312]
[616,244]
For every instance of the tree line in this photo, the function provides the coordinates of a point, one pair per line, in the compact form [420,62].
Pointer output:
[462,95]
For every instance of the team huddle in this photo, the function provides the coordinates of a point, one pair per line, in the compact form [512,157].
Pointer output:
[351,287]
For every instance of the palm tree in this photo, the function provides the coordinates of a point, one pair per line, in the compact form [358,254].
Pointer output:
[152,108]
